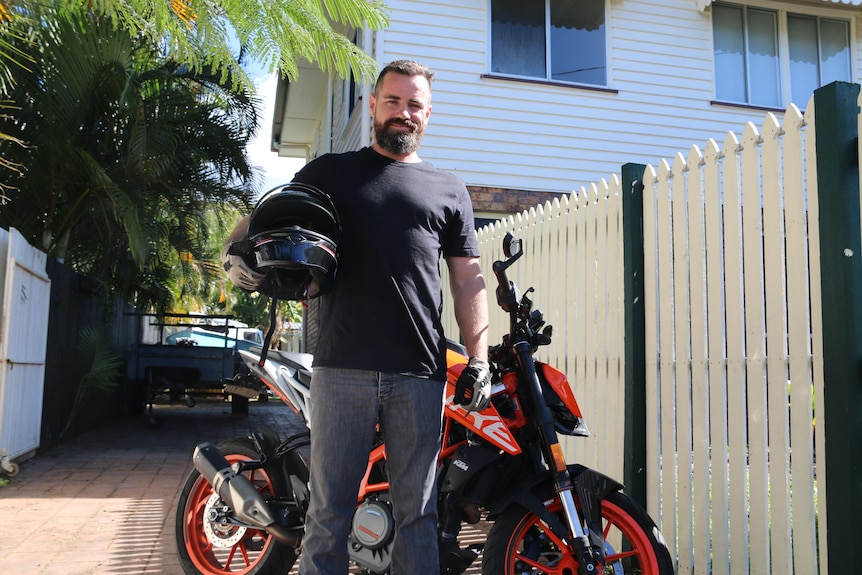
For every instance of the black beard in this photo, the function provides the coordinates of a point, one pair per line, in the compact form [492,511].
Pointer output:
[395,142]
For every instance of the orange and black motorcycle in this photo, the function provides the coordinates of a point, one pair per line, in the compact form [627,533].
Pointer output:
[242,507]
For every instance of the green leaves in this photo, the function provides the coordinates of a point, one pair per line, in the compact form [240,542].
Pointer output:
[125,121]
[275,33]
[125,151]
[104,364]
[104,368]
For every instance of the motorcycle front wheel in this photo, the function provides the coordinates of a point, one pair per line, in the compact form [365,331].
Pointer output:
[520,543]
[209,545]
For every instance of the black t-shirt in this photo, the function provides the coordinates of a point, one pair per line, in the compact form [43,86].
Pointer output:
[397,220]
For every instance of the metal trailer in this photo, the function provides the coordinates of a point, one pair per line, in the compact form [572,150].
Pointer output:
[177,367]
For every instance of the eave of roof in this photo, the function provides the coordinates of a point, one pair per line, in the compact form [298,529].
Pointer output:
[702,4]
[298,106]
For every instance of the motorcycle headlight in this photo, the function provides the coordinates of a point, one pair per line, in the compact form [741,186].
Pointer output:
[564,419]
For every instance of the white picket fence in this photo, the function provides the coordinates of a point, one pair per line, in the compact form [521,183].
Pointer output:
[573,258]
[733,374]
[736,256]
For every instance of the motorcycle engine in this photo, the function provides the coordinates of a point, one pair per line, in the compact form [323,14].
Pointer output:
[371,534]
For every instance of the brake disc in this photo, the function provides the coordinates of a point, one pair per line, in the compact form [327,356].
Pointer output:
[220,532]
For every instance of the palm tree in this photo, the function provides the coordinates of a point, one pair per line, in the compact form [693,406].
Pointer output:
[130,151]
[11,56]
[124,146]
[275,33]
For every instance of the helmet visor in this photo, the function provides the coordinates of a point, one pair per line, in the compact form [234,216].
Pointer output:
[294,250]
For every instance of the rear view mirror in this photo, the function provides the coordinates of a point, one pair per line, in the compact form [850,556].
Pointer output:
[511,245]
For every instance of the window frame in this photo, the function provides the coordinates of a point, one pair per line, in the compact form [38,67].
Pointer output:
[782,10]
[548,78]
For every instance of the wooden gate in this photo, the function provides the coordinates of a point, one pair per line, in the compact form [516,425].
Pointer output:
[25,293]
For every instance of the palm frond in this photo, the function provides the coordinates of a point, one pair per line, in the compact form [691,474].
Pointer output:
[103,365]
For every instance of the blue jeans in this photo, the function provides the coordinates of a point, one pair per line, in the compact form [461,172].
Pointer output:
[344,408]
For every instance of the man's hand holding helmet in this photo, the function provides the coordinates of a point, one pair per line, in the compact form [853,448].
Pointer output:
[243,274]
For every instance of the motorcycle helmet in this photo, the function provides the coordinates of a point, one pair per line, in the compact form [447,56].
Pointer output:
[293,235]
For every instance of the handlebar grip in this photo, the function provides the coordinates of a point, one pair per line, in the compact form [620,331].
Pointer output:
[507,298]
[502,278]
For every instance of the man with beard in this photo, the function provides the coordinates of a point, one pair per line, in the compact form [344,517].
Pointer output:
[381,350]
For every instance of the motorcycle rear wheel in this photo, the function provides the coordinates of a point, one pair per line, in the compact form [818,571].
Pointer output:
[210,548]
[520,543]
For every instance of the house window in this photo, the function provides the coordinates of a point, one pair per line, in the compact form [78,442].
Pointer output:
[559,40]
[819,54]
[751,62]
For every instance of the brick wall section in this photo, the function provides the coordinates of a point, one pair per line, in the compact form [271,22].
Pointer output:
[507,201]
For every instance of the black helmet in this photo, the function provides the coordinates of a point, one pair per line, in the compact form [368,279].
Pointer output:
[295,232]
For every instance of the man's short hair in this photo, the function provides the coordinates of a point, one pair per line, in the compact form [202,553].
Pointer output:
[405,67]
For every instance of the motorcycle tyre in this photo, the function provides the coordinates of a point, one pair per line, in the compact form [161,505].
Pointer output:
[275,559]
[508,532]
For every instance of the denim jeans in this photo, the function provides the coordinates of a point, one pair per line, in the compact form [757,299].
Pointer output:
[344,408]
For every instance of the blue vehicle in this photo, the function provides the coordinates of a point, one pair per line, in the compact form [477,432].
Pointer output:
[182,355]
[218,336]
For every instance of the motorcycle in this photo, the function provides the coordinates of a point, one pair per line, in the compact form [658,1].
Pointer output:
[242,507]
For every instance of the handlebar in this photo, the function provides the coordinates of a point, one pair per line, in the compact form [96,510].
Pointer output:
[523,319]
[507,292]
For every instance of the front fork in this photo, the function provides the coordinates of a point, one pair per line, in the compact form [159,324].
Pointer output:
[579,541]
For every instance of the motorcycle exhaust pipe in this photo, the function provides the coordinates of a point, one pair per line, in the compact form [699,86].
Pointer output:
[239,494]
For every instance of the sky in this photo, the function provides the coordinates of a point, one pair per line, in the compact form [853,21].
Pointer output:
[277,170]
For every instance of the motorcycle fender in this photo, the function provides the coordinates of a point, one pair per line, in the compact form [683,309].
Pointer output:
[591,487]
[534,492]
[265,441]
[293,466]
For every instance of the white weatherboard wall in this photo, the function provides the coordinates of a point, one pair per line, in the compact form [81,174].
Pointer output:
[25,292]
[506,133]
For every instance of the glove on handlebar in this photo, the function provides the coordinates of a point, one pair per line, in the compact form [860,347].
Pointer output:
[473,388]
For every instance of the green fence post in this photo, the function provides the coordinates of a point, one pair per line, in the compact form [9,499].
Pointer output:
[836,130]
[634,470]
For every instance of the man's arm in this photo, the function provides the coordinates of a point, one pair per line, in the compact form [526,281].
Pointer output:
[471,303]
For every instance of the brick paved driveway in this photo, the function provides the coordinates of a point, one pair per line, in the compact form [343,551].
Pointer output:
[103,503]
